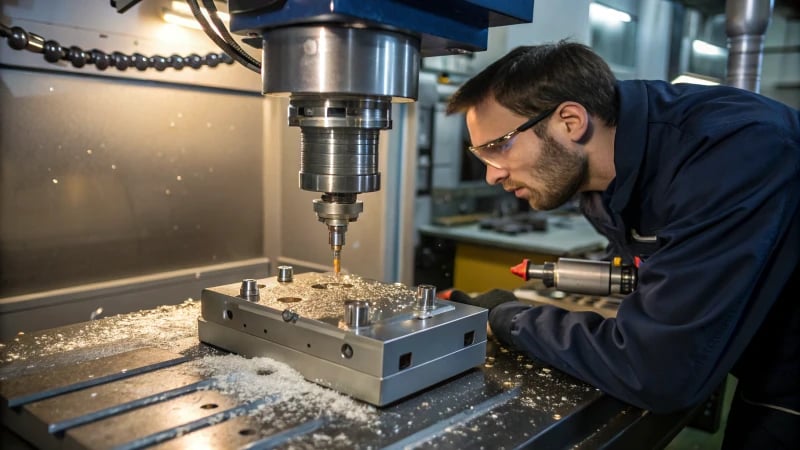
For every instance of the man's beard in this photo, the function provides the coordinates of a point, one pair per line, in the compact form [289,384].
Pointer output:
[563,172]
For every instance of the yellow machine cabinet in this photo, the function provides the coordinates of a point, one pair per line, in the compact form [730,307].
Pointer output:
[479,268]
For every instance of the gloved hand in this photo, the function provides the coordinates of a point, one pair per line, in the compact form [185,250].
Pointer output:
[487,300]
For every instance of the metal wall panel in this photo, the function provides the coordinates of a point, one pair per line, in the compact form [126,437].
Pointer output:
[107,175]
[105,179]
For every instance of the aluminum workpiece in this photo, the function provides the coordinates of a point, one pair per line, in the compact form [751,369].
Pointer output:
[144,380]
[377,342]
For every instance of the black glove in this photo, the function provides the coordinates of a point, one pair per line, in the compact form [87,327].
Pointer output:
[487,300]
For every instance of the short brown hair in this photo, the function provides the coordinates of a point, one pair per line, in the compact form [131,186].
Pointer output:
[531,79]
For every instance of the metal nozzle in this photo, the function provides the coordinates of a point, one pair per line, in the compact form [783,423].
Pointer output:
[582,276]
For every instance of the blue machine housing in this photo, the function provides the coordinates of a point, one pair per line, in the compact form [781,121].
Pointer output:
[443,26]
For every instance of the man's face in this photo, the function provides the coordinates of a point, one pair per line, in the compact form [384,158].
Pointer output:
[543,171]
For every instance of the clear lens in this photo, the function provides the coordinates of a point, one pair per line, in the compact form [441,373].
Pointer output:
[489,153]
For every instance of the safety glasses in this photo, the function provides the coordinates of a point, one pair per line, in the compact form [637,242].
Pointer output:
[490,152]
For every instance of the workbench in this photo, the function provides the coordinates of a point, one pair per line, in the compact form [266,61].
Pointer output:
[143,380]
[482,257]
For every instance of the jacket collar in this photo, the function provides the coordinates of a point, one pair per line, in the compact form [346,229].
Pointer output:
[630,142]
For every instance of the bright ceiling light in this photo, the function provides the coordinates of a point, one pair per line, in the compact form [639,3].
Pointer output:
[704,48]
[179,13]
[183,8]
[606,14]
[693,78]
[177,19]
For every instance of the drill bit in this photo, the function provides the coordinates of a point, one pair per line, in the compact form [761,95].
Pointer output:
[336,240]
[337,263]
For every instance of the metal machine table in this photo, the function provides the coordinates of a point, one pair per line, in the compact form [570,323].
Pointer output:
[143,380]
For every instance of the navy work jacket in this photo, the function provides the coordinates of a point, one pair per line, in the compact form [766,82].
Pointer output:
[706,194]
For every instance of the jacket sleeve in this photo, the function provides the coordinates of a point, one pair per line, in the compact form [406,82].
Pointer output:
[728,249]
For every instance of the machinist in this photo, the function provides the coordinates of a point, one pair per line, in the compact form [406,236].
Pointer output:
[697,185]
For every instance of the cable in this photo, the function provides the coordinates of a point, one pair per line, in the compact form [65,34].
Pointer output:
[19,39]
[198,15]
[226,36]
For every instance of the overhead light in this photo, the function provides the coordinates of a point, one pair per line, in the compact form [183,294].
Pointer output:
[604,13]
[694,78]
[179,13]
[182,7]
[183,21]
[705,48]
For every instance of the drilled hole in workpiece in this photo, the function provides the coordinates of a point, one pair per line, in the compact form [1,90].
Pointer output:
[209,406]
[347,351]
[290,299]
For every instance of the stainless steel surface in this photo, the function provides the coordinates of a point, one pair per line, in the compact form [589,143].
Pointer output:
[584,276]
[89,199]
[337,154]
[361,337]
[334,60]
[143,380]
[541,272]
[746,22]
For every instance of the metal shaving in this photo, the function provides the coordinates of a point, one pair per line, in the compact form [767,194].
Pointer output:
[171,328]
[321,295]
[296,399]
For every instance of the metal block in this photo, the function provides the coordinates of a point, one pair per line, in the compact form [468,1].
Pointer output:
[398,351]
